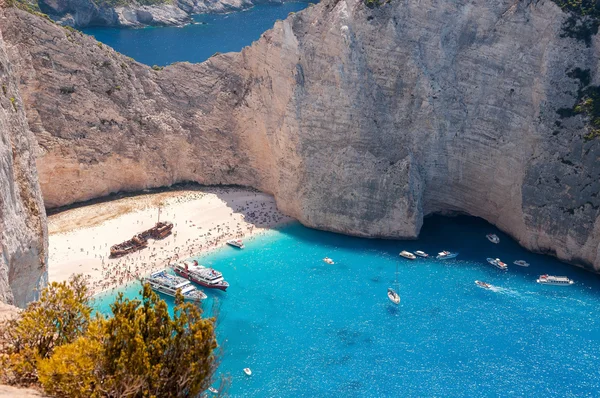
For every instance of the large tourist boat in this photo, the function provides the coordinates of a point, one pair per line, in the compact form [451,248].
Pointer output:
[408,255]
[497,263]
[554,280]
[445,255]
[164,283]
[236,243]
[204,276]
[493,238]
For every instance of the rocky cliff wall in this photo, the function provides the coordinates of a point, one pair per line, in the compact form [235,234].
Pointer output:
[359,120]
[23,232]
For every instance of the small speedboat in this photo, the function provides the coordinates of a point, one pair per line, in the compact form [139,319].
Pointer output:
[248,371]
[408,255]
[497,263]
[328,260]
[213,390]
[521,263]
[493,238]
[421,254]
[236,243]
[393,296]
[445,255]
[483,284]
[554,280]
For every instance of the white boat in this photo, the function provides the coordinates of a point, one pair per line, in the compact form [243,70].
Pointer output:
[483,285]
[554,280]
[236,243]
[408,255]
[248,371]
[213,390]
[328,260]
[497,263]
[421,254]
[445,255]
[493,238]
[393,294]
[521,263]
[204,276]
[164,283]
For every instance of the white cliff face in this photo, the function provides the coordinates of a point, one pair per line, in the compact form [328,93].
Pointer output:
[23,232]
[358,120]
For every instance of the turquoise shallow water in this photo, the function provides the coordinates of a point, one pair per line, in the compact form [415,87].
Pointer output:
[195,43]
[308,329]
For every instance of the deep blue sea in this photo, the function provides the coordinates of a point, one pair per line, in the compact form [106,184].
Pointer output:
[195,43]
[309,329]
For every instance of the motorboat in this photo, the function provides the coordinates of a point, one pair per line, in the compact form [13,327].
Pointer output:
[554,280]
[483,284]
[521,263]
[204,276]
[213,390]
[421,254]
[328,260]
[248,371]
[408,255]
[393,296]
[445,255]
[236,243]
[493,238]
[168,284]
[497,263]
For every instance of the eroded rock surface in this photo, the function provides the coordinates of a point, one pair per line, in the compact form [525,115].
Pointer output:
[359,120]
[23,231]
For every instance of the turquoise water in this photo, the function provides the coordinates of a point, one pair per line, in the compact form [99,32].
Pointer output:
[195,43]
[309,329]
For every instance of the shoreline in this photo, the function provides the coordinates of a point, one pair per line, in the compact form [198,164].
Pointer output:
[204,219]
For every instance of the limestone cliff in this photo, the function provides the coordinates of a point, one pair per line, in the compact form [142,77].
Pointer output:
[23,232]
[359,120]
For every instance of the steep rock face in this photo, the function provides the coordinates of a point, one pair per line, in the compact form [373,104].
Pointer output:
[83,13]
[358,120]
[23,232]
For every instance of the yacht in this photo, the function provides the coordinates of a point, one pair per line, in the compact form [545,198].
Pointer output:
[554,280]
[483,285]
[164,283]
[421,254]
[497,263]
[328,260]
[493,238]
[201,275]
[236,243]
[408,255]
[445,255]
[521,263]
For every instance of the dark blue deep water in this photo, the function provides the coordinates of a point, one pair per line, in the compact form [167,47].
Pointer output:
[309,329]
[195,43]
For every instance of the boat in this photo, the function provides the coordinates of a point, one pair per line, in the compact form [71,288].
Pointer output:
[493,238]
[204,276]
[164,283]
[483,285]
[421,254]
[521,263]
[328,260]
[236,243]
[248,371]
[408,255]
[445,255]
[497,263]
[554,280]
[393,294]
[213,390]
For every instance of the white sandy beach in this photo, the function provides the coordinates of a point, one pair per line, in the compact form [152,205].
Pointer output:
[203,218]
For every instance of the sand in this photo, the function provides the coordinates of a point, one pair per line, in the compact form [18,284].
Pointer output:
[203,218]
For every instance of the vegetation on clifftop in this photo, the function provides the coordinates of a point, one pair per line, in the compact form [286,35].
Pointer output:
[139,352]
[583,20]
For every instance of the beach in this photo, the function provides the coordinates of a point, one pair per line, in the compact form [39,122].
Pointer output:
[204,218]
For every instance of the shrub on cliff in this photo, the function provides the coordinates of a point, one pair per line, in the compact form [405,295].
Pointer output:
[140,351]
